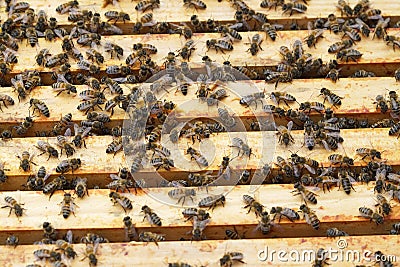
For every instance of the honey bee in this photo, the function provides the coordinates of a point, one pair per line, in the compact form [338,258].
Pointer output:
[348,54]
[61,126]
[116,16]
[265,223]
[18,85]
[313,36]
[294,7]
[12,240]
[90,105]
[241,146]
[345,181]
[95,56]
[333,23]
[6,100]
[271,3]
[333,75]
[251,203]
[151,216]
[181,194]
[123,201]
[55,60]
[227,120]
[306,195]
[49,231]
[212,201]
[198,228]
[290,214]
[66,7]
[31,36]
[310,216]
[80,134]
[197,156]
[230,257]
[114,49]
[332,98]
[317,106]
[370,214]
[344,7]
[197,4]
[88,39]
[186,51]
[90,253]
[68,164]
[147,4]
[13,205]
[86,65]
[80,187]
[200,214]
[54,185]
[340,159]
[26,161]
[151,237]
[129,227]
[338,46]
[368,152]
[384,207]
[63,87]
[219,45]
[67,206]
[334,232]
[66,248]
[255,46]
[380,28]
[42,56]
[40,106]
[284,133]
[45,147]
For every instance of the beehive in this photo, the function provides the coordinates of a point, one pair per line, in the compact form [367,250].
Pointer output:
[95,213]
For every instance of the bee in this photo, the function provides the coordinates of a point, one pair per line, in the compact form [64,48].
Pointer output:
[116,16]
[13,205]
[68,206]
[86,65]
[345,180]
[227,120]
[197,4]
[344,7]
[251,203]
[39,105]
[12,240]
[310,216]
[368,152]
[41,254]
[294,7]
[113,49]
[271,3]
[26,161]
[380,28]
[333,75]
[313,36]
[6,100]
[332,98]
[65,144]
[265,223]
[181,194]
[31,36]
[229,33]
[197,156]
[151,216]
[87,39]
[317,106]
[284,134]
[123,201]
[242,146]
[198,228]
[64,122]
[49,231]
[284,166]
[90,105]
[68,164]
[66,248]
[147,4]
[334,232]
[80,187]
[42,56]
[255,46]
[90,253]
[66,7]
[54,185]
[338,46]
[333,23]
[286,212]
[55,60]
[45,147]
[269,30]
[277,97]
[306,195]
[151,237]
[383,205]
[230,257]
[370,214]
[186,51]
[200,214]
[219,45]
[129,227]
[212,201]
[360,7]
[340,159]
[18,85]
[91,238]
[95,56]
[348,54]
[164,162]
[215,96]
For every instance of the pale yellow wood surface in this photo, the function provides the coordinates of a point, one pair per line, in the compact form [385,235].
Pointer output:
[97,214]
[174,11]
[208,253]
[377,56]
[359,97]
[97,165]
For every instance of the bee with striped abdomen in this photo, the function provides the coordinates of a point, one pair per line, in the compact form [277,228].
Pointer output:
[68,164]
[212,201]
[13,205]
[151,216]
[310,216]
[307,195]
[123,201]
[67,206]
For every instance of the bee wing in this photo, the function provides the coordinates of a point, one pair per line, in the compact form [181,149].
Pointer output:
[76,128]
[309,168]
[69,237]
[289,126]
[68,132]
[86,131]
[325,144]
[115,177]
